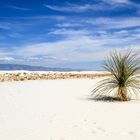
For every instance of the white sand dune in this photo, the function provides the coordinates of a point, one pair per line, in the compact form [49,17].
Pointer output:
[61,110]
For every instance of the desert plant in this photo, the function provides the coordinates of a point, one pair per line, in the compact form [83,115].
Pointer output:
[124,80]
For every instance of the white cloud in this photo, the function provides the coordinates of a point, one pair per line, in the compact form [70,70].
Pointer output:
[113,23]
[73,8]
[79,8]
[103,5]
[64,31]
[18,8]
[67,24]
[7,59]
[4,52]
[91,40]
[77,48]
[5,55]
[117,2]
[62,22]
[127,3]
[5,25]
[74,49]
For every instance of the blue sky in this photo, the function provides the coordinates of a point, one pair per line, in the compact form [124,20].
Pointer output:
[67,33]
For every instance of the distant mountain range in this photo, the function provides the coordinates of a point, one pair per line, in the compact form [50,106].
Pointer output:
[33,68]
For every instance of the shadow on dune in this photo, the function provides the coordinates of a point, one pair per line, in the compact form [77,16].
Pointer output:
[104,99]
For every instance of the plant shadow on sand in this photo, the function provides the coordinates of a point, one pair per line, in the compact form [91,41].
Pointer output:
[105,99]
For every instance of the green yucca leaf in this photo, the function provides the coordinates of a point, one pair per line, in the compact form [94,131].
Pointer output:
[125,79]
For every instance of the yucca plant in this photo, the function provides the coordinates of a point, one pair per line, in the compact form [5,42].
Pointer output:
[124,80]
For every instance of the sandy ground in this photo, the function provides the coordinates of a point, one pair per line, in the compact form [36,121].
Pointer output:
[61,110]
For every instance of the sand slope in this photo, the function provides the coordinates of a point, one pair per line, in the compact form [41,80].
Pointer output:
[61,110]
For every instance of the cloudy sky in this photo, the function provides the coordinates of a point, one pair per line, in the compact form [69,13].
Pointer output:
[67,33]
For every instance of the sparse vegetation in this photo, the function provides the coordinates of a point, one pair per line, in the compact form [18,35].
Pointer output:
[125,77]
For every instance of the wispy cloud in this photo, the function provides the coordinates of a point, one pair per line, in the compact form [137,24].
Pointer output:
[122,3]
[75,47]
[18,8]
[68,24]
[103,5]
[75,8]
[114,23]
[69,32]
[4,53]
[72,22]
[59,40]
[6,59]
[5,25]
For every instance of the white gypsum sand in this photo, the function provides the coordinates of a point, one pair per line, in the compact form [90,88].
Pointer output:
[61,110]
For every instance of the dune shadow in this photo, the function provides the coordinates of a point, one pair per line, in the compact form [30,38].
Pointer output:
[105,99]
